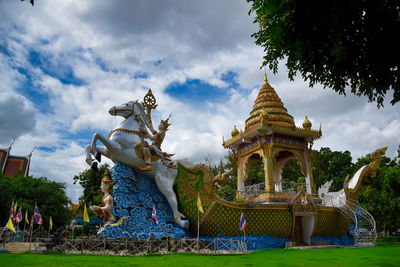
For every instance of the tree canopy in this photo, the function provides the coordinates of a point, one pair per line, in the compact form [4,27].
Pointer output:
[90,181]
[381,195]
[27,191]
[335,43]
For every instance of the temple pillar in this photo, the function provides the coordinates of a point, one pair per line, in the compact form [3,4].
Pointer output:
[241,172]
[268,170]
[308,175]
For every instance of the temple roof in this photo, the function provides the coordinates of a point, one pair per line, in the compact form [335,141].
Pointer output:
[269,116]
[269,105]
[10,165]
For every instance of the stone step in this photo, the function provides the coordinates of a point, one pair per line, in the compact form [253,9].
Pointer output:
[316,247]
[17,247]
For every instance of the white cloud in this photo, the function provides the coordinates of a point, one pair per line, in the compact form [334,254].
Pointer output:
[17,116]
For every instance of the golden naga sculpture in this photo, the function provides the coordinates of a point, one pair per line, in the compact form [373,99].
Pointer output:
[352,187]
[210,180]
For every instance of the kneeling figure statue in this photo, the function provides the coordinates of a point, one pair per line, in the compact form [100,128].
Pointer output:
[105,211]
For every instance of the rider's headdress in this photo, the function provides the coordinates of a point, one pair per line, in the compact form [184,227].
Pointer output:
[107,179]
[165,122]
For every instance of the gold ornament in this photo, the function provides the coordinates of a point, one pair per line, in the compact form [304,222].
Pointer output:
[149,101]
[234,131]
[307,124]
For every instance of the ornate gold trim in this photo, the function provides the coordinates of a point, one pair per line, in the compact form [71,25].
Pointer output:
[122,130]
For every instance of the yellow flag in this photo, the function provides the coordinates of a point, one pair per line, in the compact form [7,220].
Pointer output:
[199,206]
[26,217]
[51,223]
[85,214]
[10,225]
[15,207]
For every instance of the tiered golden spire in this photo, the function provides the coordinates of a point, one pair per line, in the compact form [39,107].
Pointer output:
[268,102]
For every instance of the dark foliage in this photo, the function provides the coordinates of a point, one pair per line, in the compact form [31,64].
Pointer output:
[90,181]
[335,43]
[50,198]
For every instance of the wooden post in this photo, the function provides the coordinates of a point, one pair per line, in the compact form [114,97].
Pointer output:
[126,247]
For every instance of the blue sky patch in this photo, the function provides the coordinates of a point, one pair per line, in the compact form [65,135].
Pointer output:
[60,71]
[230,77]
[195,90]
[30,91]
[140,75]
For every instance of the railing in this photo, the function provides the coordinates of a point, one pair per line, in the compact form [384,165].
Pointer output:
[364,223]
[125,247]
[254,190]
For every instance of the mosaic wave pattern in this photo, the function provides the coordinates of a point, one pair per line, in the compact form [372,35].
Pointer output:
[134,197]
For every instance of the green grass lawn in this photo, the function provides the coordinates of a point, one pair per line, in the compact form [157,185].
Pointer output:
[386,254]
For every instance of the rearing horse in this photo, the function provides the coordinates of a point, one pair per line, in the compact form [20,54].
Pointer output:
[120,146]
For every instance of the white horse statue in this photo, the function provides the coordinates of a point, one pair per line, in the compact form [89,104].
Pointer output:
[123,145]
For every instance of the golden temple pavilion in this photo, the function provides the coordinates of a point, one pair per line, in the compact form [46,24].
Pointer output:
[271,136]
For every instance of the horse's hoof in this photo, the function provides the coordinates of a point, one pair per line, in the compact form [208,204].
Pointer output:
[184,224]
[98,156]
[94,166]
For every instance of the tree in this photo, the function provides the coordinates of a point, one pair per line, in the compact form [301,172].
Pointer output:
[330,165]
[49,196]
[335,43]
[381,195]
[90,181]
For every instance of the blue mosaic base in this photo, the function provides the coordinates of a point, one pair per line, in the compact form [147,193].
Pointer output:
[255,242]
[346,240]
[134,196]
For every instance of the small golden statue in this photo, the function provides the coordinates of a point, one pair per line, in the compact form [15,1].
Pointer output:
[155,147]
[105,211]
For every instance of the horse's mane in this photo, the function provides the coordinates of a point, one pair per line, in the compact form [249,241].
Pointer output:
[142,111]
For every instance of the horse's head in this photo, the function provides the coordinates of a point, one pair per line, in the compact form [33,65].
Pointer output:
[131,108]
[125,110]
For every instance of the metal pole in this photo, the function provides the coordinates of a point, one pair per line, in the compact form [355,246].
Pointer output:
[48,235]
[151,226]
[30,236]
[198,228]
[23,236]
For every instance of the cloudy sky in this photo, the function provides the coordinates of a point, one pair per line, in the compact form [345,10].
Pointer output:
[63,64]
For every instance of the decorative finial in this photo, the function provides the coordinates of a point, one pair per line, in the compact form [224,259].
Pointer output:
[149,101]
[30,154]
[234,131]
[12,142]
[265,76]
[307,124]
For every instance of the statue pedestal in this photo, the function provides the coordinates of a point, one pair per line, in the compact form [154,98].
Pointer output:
[134,196]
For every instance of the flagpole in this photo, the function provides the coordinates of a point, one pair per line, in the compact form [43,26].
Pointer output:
[198,227]
[17,229]
[4,228]
[151,226]
[48,235]
[23,235]
[244,236]
[30,234]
